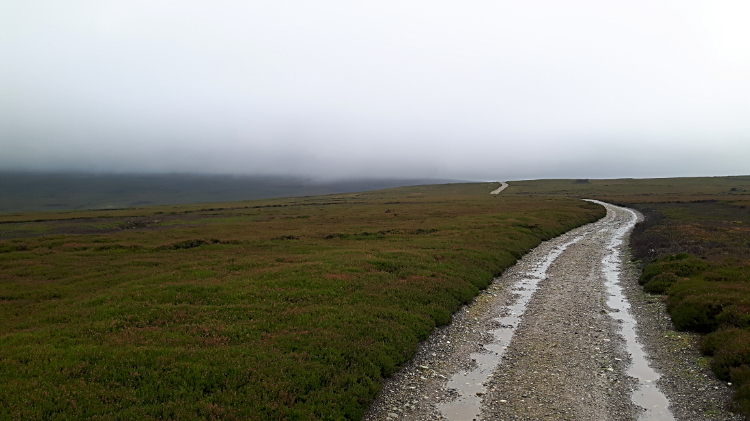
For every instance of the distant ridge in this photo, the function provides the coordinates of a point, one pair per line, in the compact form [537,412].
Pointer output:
[29,191]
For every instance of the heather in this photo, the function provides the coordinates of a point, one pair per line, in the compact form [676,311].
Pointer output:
[289,309]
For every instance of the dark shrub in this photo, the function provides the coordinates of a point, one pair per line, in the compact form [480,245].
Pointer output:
[189,244]
[286,237]
[649,272]
[734,315]
[681,264]
[732,352]
[441,316]
[742,398]
[715,340]
[387,265]
[740,377]
[695,313]
[685,266]
[724,274]
[660,283]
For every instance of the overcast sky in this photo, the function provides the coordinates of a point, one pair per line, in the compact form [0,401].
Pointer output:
[484,90]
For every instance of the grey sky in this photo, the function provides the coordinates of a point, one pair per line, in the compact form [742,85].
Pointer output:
[480,90]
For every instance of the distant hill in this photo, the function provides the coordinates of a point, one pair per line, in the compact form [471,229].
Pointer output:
[26,191]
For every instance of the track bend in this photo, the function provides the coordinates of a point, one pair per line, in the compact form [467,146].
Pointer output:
[552,338]
[503,186]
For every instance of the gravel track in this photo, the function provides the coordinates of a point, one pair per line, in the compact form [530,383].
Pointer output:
[503,186]
[567,359]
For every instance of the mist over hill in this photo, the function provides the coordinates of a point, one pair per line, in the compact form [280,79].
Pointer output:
[34,191]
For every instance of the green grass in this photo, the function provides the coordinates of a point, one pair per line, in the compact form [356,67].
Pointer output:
[289,309]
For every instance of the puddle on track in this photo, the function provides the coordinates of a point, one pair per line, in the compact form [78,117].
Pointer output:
[647,395]
[470,384]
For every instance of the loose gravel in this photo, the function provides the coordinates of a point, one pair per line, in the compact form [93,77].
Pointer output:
[567,359]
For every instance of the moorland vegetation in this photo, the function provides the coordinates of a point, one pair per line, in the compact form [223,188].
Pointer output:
[289,309]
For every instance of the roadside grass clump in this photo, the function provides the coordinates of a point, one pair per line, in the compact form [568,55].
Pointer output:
[730,351]
[730,348]
[257,312]
[657,277]
[741,377]
[660,283]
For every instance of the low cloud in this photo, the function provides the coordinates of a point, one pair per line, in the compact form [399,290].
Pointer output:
[339,90]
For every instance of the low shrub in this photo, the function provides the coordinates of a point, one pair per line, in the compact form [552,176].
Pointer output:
[731,349]
[727,274]
[681,264]
[694,313]
[658,276]
[715,340]
[740,377]
[735,315]
[660,283]
[11,248]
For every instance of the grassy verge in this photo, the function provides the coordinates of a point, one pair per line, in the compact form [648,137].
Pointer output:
[695,247]
[280,309]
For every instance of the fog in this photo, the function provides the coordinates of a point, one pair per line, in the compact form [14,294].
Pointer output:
[483,90]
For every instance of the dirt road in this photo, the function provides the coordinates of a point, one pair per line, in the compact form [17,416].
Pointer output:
[564,334]
[503,186]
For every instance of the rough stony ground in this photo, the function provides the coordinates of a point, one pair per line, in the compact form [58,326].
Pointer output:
[567,359]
